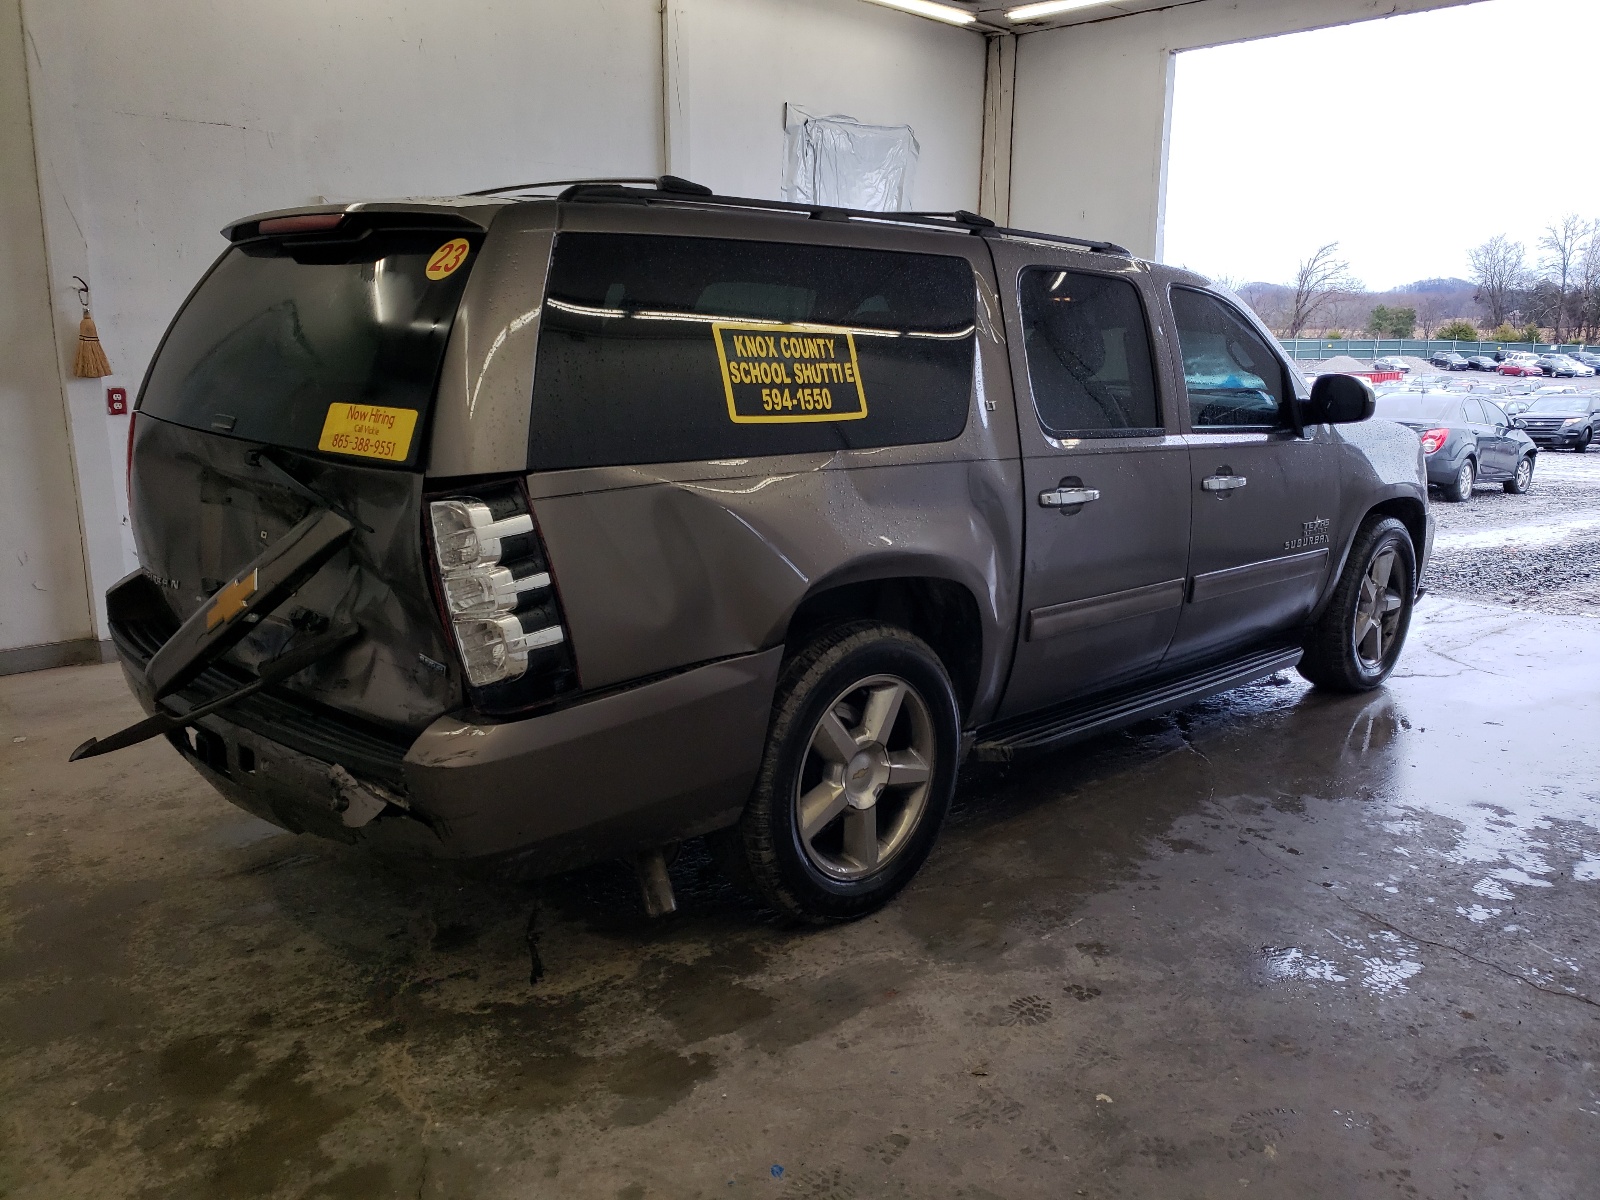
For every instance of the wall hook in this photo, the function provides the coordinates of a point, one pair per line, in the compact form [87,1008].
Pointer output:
[83,293]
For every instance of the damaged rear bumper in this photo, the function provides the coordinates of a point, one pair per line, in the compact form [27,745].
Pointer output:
[655,762]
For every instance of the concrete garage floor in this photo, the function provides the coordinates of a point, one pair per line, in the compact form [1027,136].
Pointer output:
[1281,945]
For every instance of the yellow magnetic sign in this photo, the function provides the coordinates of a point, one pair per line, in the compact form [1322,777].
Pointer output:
[368,430]
[782,374]
[229,602]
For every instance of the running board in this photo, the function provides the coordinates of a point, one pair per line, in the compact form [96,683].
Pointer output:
[1056,727]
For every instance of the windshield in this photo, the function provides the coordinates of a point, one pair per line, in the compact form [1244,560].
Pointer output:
[333,344]
[1557,404]
[1419,408]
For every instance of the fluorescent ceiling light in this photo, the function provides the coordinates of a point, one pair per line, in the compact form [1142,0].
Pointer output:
[926,8]
[1049,8]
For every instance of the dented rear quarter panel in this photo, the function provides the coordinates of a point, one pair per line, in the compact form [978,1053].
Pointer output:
[663,566]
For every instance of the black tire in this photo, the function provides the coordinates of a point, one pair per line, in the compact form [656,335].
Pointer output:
[1461,487]
[1521,479]
[816,880]
[1583,441]
[1337,654]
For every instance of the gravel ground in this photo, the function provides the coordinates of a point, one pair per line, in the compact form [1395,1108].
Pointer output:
[1539,551]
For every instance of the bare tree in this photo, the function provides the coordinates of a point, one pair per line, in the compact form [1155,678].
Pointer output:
[1563,244]
[1588,306]
[1499,268]
[1430,312]
[1267,301]
[1320,279]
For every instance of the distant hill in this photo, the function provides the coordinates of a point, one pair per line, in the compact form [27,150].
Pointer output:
[1438,285]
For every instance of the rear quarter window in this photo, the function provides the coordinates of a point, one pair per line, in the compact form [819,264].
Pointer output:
[663,349]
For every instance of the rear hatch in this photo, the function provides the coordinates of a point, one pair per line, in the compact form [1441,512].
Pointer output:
[301,374]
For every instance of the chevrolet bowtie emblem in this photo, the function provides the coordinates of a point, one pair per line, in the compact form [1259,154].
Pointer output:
[230,601]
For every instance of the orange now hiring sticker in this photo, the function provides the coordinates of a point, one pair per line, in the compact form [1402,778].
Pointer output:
[447,258]
[368,431]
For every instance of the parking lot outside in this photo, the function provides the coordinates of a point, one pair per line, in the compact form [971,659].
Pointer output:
[1539,551]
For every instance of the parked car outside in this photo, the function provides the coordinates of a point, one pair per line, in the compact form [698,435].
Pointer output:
[1588,358]
[1449,360]
[1562,365]
[1571,419]
[1481,362]
[538,532]
[1521,365]
[1466,440]
[1391,363]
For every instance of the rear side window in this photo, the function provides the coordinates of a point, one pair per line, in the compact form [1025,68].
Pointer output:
[663,349]
[1234,380]
[1088,354]
[332,344]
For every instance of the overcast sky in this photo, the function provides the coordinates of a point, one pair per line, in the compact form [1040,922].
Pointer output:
[1407,140]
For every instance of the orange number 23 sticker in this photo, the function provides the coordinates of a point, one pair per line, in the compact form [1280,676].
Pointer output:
[447,258]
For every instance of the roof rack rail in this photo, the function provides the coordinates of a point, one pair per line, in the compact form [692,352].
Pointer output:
[561,183]
[674,189]
[1091,244]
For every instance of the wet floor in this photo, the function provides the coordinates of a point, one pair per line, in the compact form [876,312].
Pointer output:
[1281,944]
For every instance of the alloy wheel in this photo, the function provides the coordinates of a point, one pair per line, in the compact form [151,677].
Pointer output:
[1524,474]
[863,787]
[1378,610]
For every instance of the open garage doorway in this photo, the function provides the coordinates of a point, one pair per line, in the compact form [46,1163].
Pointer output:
[1415,199]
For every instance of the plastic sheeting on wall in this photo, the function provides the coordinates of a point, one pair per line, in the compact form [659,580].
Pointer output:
[839,161]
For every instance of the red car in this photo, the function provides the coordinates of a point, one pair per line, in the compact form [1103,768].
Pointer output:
[1512,367]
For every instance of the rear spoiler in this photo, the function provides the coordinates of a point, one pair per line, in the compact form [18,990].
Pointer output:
[325,218]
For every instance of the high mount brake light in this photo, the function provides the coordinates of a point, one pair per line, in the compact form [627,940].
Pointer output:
[304,223]
[498,596]
[1432,439]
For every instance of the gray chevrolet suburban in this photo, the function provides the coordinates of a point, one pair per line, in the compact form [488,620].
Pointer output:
[533,530]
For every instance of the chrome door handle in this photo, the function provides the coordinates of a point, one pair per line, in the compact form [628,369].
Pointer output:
[1223,483]
[1065,497]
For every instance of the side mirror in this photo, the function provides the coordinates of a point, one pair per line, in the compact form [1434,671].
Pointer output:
[1340,400]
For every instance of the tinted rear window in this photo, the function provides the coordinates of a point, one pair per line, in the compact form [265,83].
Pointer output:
[662,349]
[1088,354]
[335,341]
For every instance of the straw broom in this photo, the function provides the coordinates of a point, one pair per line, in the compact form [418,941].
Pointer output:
[90,362]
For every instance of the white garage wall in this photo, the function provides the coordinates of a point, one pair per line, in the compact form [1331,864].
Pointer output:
[1089,145]
[744,59]
[158,122]
[43,591]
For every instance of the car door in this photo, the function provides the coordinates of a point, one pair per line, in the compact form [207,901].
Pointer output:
[1264,493]
[1105,473]
[1503,449]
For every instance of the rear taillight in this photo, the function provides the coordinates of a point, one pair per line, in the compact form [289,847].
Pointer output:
[1432,439]
[497,594]
[127,474]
